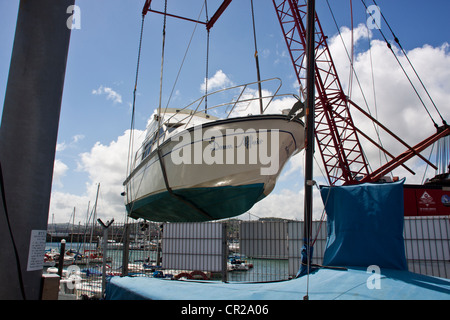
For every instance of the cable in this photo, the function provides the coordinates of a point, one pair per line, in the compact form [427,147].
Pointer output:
[182,62]
[16,252]
[207,59]
[130,143]
[401,66]
[350,80]
[162,71]
[410,63]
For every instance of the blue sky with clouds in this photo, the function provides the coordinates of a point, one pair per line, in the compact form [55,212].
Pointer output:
[98,92]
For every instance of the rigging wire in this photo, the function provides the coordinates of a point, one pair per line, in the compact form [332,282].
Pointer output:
[350,80]
[377,129]
[131,142]
[356,78]
[158,134]
[162,70]
[427,166]
[401,66]
[207,59]
[182,61]
[410,63]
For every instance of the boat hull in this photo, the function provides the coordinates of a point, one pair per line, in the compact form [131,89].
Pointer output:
[234,171]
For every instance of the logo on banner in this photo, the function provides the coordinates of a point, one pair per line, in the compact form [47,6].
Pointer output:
[426,199]
[445,200]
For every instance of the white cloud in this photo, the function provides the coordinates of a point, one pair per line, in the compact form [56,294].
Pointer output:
[110,94]
[287,204]
[219,81]
[78,137]
[60,146]
[276,106]
[107,165]
[63,145]
[398,107]
[59,171]
[62,204]
[104,164]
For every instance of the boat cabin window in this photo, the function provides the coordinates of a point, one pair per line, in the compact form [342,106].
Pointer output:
[150,143]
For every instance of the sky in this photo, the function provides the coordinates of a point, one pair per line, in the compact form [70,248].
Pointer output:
[93,137]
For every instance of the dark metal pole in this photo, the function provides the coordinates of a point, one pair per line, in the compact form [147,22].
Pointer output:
[224,253]
[310,111]
[62,253]
[126,250]
[28,136]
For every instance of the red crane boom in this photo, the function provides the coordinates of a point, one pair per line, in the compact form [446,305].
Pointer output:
[336,134]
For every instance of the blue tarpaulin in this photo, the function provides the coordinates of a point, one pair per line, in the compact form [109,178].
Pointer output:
[324,284]
[365,225]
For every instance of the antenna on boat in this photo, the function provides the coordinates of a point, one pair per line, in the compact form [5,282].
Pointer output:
[257,61]
[162,69]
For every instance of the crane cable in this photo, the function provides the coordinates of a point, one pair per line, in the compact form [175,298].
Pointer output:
[410,63]
[162,70]
[350,80]
[403,69]
[207,59]
[130,144]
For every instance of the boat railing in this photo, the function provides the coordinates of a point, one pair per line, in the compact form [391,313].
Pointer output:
[241,101]
[244,96]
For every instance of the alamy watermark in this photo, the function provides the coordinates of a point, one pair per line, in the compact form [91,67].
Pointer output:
[73,275]
[374,280]
[74,20]
[374,19]
[228,146]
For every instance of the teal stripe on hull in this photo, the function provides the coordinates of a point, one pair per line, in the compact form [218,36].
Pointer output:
[217,202]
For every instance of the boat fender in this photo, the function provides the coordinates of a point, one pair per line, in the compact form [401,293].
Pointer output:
[183,275]
[196,274]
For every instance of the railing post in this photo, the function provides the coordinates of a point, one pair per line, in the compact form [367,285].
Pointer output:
[105,248]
